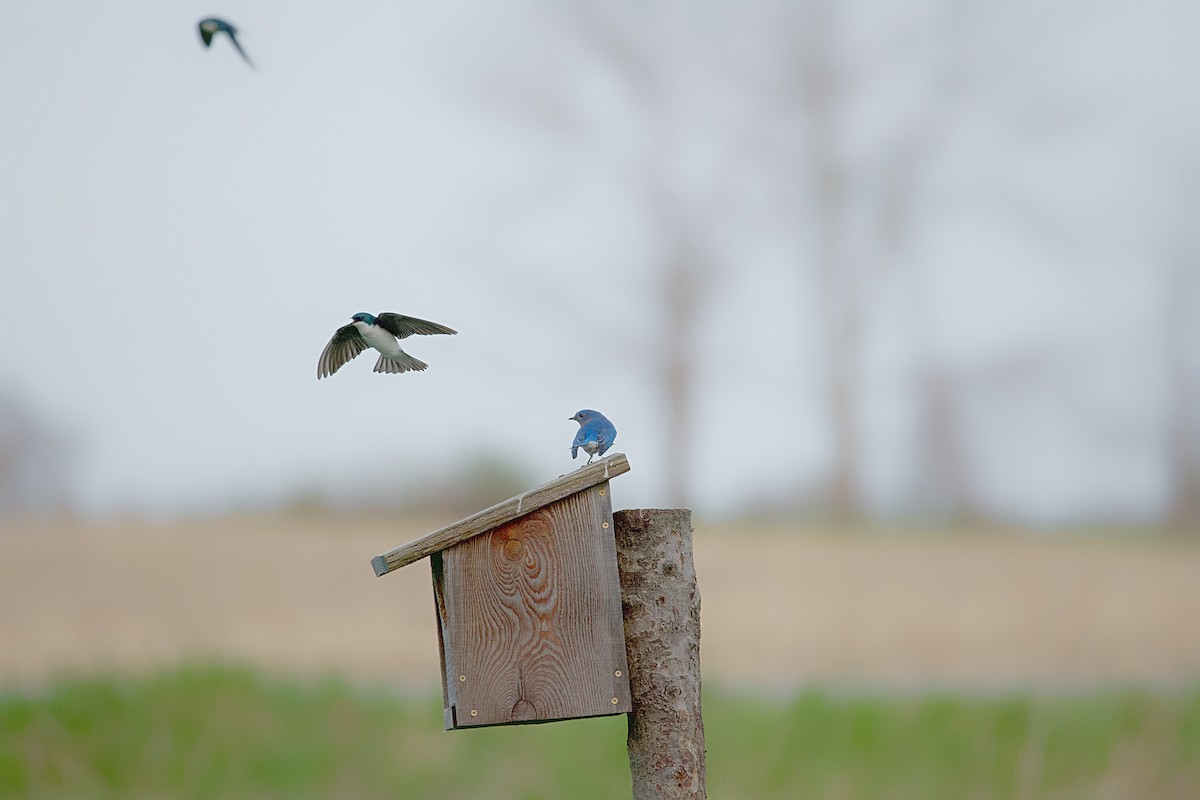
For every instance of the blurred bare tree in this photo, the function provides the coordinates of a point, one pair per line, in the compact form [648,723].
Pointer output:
[788,126]
[683,262]
[35,461]
[820,93]
[859,210]
[1182,332]
[633,48]
[853,211]
[833,127]
[821,89]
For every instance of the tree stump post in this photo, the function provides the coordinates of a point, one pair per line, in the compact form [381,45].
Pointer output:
[660,601]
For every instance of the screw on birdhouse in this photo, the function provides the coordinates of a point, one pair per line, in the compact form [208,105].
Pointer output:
[602,493]
[462,678]
[614,701]
[617,673]
[474,712]
[604,525]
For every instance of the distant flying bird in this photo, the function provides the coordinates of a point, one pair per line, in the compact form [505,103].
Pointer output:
[596,434]
[381,333]
[212,26]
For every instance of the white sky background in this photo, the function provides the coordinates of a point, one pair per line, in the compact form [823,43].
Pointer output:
[180,235]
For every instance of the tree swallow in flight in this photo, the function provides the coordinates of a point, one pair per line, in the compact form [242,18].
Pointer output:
[367,330]
[596,434]
[212,26]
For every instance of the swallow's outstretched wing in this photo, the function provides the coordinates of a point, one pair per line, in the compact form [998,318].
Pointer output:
[346,343]
[401,326]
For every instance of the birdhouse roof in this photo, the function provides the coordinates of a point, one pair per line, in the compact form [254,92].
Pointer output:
[501,513]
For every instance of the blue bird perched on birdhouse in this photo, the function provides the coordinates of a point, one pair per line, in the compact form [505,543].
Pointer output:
[211,26]
[596,434]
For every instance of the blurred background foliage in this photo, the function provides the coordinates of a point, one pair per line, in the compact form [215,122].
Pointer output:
[224,732]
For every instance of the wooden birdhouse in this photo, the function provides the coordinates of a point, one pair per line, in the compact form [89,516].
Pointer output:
[528,604]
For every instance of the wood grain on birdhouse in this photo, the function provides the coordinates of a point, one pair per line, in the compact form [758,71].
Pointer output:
[528,603]
[529,618]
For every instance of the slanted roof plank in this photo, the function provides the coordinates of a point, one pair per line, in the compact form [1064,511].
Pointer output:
[549,492]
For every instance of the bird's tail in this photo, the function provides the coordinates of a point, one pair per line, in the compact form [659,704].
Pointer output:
[401,363]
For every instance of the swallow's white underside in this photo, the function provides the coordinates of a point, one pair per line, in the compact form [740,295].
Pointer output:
[378,338]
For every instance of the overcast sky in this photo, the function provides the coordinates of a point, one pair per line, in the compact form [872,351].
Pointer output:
[181,235]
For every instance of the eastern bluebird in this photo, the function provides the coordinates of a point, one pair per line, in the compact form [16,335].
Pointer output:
[596,434]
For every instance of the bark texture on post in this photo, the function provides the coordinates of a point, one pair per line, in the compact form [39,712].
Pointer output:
[661,604]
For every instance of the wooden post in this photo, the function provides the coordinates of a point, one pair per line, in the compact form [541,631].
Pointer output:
[661,604]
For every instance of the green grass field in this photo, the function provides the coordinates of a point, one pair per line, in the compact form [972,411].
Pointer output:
[217,732]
